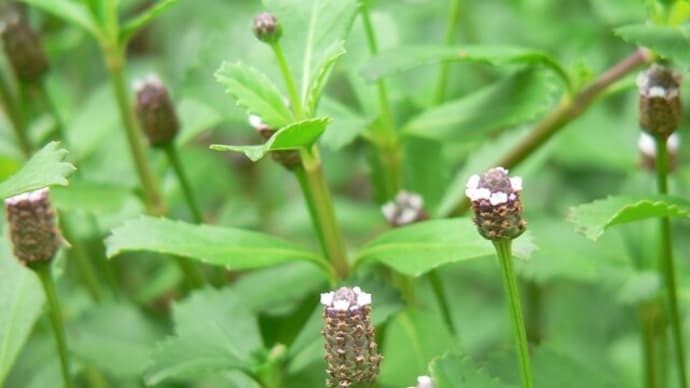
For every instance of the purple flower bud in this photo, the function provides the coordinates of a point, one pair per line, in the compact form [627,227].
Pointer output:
[23,47]
[32,227]
[660,108]
[155,111]
[267,28]
[407,208]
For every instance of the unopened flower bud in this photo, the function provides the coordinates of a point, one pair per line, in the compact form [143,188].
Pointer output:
[424,382]
[155,111]
[659,105]
[287,158]
[647,147]
[267,28]
[32,226]
[496,204]
[407,208]
[23,47]
[351,351]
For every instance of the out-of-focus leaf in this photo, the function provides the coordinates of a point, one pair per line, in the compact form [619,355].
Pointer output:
[456,371]
[228,247]
[592,219]
[46,168]
[416,249]
[400,59]
[71,11]
[92,197]
[421,156]
[196,118]
[301,134]
[130,27]
[321,73]
[214,331]
[255,93]
[554,368]
[344,128]
[668,41]
[521,97]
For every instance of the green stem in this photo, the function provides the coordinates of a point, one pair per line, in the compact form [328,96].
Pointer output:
[322,205]
[451,25]
[437,287]
[535,305]
[44,273]
[666,266]
[174,159]
[648,334]
[301,175]
[81,258]
[15,117]
[50,106]
[295,101]
[504,252]
[154,201]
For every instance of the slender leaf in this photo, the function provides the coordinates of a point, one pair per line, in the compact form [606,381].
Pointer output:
[592,219]
[46,168]
[514,100]
[255,93]
[130,27]
[400,59]
[668,41]
[416,249]
[228,247]
[72,12]
[456,371]
[301,134]
[320,77]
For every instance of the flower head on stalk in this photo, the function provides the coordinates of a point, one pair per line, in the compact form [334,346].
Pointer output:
[23,45]
[155,111]
[496,204]
[33,230]
[267,28]
[660,108]
[351,350]
[287,158]
[406,208]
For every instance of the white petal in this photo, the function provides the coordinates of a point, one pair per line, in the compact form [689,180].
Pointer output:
[363,299]
[473,182]
[327,298]
[673,142]
[516,183]
[341,305]
[498,198]
[255,121]
[415,201]
[503,169]
[646,144]
[407,216]
[388,210]
[424,382]
[657,91]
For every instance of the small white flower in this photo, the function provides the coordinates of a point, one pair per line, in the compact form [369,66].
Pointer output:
[473,182]
[407,216]
[255,121]
[341,305]
[657,91]
[414,200]
[516,183]
[363,299]
[327,298]
[30,196]
[498,198]
[424,382]
[388,210]
[673,142]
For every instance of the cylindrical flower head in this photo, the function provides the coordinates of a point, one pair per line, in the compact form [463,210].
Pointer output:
[23,47]
[155,111]
[496,204]
[287,158]
[659,105]
[267,28]
[407,208]
[351,351]
[647,147]
[32,227]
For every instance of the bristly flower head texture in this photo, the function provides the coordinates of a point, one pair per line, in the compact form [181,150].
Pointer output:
[267,28]
[407,208]
[496,204]
[32,227]
[351,351]
[155,111]
[647,147]
[287,158]
[23,46]
[659,105]
[424,382]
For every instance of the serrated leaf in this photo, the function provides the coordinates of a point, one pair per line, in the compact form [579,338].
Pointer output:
[301,134]
[521,97]
[400,59]
[45,168]
[592,219]
[416,249]
[129,28]
[255,93]
[70,11]
[668,41]
[320,77]
[214,331]
[456,371]
[231,248]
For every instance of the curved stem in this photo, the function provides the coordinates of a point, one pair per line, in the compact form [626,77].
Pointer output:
[289,80]
[50,106]
[451,25]
[666,266]
[174,159]
[437,287]
[504,252]
[44,274]
[15,118]
[78,253]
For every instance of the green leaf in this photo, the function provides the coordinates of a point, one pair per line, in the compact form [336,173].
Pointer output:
[592,219]
[400,59]
[255,93]
[72,12]
[456,371]
[196,117]
[234,249]
[416,249]
[21,301]
[320,77]
[214,331]
[46,168]
[301,134]
[555,368]
[92,197]
[344,128]
[519,98]
[130,27]
[668,41]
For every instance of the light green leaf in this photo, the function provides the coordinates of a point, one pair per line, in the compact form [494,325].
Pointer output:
[301,134]
[519,98]
[344,128]
[196,117]
[214,332]
[255,93]
[92,197]
[228,247]
[668,41]
[72,12]
[320,77]
[400,59]
[130,27]
[592,219]
[46,168]
[456,371]
[416,249]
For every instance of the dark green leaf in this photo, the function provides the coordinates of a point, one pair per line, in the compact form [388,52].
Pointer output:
[592,219]
[46,168]
[301,134]
[130,27]
[455,371]
[416,249]
[668,41]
